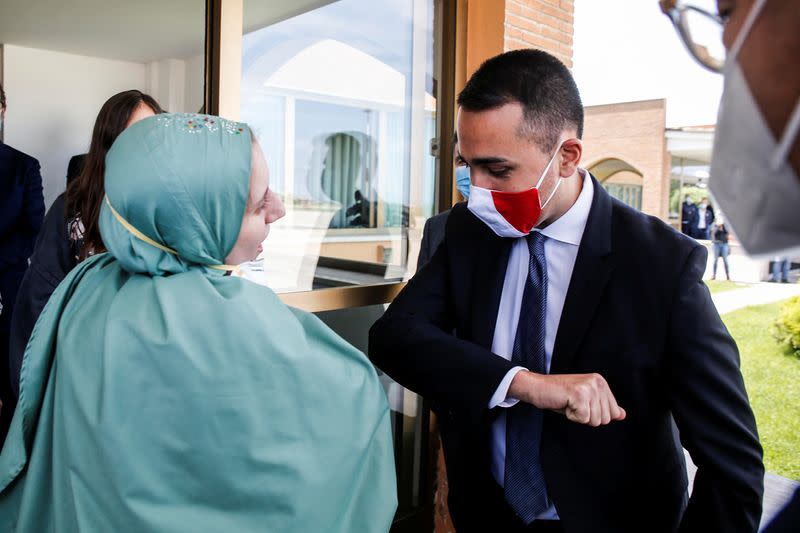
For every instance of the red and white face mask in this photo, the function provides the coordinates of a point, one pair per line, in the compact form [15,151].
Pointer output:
[511,214]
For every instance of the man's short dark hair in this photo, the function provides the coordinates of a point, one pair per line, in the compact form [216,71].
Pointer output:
[2,97]
[539,82]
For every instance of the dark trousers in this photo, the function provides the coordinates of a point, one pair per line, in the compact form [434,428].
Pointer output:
[701,233]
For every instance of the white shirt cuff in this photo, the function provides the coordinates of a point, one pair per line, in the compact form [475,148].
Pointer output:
[500,396]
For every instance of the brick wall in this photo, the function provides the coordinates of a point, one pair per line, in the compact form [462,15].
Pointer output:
[632,132]
[544,24]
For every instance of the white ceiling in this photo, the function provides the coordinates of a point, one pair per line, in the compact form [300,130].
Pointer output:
[692,146]
[260,13]
[141,30]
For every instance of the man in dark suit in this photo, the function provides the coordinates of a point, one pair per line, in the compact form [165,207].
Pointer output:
[21,215]
[582,329]
[432,237]
[688,216]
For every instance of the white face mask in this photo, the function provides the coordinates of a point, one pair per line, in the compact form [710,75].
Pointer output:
[253,271]
[751,178]
[512,214]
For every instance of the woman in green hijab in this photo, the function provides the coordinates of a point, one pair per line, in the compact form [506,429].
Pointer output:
[159,394]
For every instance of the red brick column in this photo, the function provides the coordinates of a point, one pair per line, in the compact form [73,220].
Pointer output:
[544,24]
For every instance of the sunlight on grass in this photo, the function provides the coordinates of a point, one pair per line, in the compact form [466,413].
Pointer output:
[773,383]
[716,286]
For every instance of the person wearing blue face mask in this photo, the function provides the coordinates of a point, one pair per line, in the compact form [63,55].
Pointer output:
[755,168]
[433,232]
[553,354]
[462,180]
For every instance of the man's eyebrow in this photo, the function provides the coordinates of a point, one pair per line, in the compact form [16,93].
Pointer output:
[483,161]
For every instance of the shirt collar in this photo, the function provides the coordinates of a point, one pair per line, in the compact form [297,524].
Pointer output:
[569,227]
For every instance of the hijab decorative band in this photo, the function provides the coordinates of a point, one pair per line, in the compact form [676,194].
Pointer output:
[142,237]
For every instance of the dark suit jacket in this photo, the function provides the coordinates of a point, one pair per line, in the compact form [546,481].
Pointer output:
[21,213]
[75,167]
[432,237]
[688,215]
[53,257]
[21,206]
[637,313]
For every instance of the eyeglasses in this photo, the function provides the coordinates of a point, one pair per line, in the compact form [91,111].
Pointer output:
[700,31]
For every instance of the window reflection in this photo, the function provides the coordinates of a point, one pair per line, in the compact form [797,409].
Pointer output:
[629,194]
[342,101]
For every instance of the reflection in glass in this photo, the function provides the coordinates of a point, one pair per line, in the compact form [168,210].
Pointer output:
[342,99]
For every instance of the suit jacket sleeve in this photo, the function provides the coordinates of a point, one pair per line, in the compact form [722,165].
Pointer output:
[424,246]
[21,211]
[414,343]
[712,412]
[34,203]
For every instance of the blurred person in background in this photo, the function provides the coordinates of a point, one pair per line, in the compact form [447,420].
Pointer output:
[720,237]
[688,215]
[705,218]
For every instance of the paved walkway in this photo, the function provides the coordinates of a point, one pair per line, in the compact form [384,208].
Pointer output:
[757,294]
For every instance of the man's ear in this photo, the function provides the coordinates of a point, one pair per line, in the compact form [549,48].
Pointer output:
[570,157]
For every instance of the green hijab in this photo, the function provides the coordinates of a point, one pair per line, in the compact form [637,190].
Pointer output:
[158,394]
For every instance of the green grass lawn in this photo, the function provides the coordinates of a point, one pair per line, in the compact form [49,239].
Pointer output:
[721,286]
[773,383]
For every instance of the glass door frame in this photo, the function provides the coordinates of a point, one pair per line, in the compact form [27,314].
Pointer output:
[223,45]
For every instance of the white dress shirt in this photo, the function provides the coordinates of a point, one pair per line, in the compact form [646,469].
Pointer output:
[561,249]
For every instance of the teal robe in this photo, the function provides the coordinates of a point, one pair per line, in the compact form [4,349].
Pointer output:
[158,394]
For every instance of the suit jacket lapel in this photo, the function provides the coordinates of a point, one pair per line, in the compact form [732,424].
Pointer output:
[591,274]
[491,260]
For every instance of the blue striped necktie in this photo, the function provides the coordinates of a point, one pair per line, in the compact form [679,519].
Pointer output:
[525,489]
